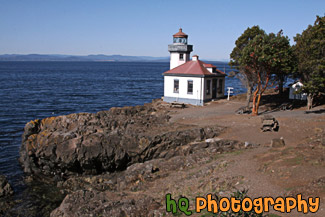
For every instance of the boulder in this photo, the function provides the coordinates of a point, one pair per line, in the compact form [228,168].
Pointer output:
[250,145]
[276,143]
[5,188]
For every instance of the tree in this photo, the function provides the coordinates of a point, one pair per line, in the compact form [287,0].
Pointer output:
[245,74]
[310,53]
[287,66]
[266,56]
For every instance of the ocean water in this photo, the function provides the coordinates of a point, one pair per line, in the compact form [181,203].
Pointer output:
[35,90]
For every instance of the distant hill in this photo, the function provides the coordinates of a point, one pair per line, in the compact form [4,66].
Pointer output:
[99,57]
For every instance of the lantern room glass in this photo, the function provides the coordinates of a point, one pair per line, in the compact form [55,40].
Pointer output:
[180,40]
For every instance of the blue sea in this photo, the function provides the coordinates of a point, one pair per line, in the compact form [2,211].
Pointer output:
[35,90]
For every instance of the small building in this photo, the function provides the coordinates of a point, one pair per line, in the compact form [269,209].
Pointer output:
[190,81]
[294,88]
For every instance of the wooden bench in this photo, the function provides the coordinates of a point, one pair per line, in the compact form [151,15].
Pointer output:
[269,123]
[177,105]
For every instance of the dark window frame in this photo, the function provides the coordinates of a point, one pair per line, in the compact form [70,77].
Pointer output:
[220,85]
[208,87]
[176,87]
[190,86]
[181,56]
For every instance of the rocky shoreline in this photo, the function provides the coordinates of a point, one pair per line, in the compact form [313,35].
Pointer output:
[5,187]
[113,157]
[123,162]
[108,141]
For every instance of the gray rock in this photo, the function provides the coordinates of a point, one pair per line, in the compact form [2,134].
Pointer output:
[250,145]
[213,140]
[5,188]
[275,143]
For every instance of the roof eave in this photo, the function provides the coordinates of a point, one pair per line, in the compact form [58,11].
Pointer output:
[193,75]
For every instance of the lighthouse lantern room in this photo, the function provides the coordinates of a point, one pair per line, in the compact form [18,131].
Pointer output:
[179,50]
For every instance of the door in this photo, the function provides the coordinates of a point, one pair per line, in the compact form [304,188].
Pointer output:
[214,88]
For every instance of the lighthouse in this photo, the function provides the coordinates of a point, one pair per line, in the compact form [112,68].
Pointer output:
[190,81]
[179,50]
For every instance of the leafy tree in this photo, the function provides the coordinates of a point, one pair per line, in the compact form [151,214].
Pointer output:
[287,64]
[266,56]
[246,75]
[310,52]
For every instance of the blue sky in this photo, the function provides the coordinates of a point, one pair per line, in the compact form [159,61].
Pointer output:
[144,27]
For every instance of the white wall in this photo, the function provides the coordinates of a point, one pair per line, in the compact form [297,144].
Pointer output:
[209,69]
[174,59]
[293,89]
[199,89]
[198,84]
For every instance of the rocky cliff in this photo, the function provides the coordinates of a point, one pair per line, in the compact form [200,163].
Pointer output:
[106,141]
[114,162]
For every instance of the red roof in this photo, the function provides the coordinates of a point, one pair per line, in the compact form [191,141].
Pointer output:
[209,65]
[221,72]
[196,67]
[180,34]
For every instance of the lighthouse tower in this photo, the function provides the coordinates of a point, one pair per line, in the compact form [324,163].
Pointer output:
[179,50]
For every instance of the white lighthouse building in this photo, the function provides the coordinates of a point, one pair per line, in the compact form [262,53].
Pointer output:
[190,81]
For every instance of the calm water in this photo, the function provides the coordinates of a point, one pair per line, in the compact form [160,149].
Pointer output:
[33,90]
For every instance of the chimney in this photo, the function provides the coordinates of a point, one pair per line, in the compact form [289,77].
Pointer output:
[195,58]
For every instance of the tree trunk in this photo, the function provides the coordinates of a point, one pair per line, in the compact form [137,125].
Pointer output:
[258,102]
[249,95]
[260,91]
[310,98]
[254,109]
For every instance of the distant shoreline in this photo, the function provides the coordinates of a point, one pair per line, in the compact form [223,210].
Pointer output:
[88,58]
[97,61]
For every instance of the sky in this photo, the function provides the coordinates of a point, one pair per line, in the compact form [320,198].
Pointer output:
[144,27]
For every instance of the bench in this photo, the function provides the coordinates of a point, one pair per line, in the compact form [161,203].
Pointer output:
[177,105]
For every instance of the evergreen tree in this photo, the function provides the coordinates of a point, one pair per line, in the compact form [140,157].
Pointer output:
[286,64]
[310,53]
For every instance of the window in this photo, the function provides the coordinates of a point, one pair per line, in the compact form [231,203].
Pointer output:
[189,87]
[181,56]
[220,85]
[176,85]
[208,87]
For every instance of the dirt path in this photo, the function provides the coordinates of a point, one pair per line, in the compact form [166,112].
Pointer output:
[299,167]
[295,126]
